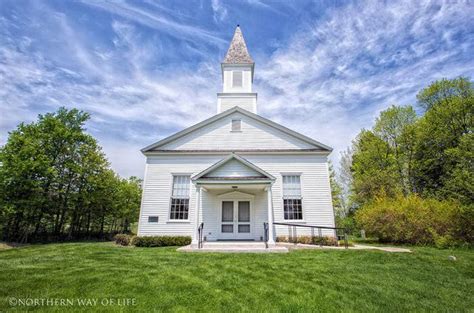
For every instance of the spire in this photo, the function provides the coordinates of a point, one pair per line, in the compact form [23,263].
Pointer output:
[238,53]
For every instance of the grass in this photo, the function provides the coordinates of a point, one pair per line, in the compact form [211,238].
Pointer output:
[161,279]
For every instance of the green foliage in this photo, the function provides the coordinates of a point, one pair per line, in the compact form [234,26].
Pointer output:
[441,140]
[373,167]
[460,182]
[310,240]
[443,91]
[161,241]
[430,155]
[336,192]
[382,158]
[123,239]
[55,182]
[414,220]
[348,222]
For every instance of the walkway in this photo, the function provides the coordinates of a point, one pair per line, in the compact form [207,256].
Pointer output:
[280,247]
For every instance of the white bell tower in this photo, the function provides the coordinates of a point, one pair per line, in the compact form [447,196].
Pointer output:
[237,77]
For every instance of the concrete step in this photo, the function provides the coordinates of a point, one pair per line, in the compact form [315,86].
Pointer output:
[234,247]
[233,244]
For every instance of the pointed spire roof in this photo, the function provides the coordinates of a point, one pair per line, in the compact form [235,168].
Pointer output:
[238,53]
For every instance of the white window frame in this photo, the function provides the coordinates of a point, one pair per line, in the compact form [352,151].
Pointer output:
[300,197]
[241,79]
[173,175]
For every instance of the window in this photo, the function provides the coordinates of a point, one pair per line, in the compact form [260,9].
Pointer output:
[236,125]
[180,197]
[236,78]
[152,219]
[292,208]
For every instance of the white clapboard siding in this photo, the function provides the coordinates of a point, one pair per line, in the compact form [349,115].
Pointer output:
[157,192]
[233,168]
[316,193]
[244,103]
[254,135]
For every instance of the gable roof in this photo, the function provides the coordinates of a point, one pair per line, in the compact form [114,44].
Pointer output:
[238,53]
[320,146]
[238,158]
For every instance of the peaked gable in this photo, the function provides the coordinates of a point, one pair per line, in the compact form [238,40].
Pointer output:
[257,133]
[233,167]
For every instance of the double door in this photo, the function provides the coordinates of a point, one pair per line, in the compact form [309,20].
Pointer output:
[236,220]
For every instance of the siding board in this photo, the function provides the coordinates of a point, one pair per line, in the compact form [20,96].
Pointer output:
[254,135]
[316,193]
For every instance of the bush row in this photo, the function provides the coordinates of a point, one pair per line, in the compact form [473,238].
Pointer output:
[415,220]
[161,241]
[314,240]
[152,241]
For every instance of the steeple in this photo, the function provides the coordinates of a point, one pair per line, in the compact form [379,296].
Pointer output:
[237,77]
[238,53]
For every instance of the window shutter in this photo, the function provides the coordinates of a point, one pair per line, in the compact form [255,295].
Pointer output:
[237,79]
[236,125]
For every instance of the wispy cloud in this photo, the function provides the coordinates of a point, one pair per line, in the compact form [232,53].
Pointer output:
[220,12]
[146,70]
[339,71]
[156,21]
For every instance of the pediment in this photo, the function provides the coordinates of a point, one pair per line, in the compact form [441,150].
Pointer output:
[233,167]
[257,134]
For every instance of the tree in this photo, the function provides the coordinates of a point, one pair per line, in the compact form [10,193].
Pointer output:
[373,168]
[55,181]
[445,91]
[336,192]
[449,117]
[395,127]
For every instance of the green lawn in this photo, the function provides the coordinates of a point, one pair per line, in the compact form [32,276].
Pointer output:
[162,279]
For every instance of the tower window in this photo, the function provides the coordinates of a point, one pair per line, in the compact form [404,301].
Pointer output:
[236,125]
[236,78]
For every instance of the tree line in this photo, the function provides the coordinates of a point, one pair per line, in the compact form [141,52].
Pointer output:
[56,183]
[426,151]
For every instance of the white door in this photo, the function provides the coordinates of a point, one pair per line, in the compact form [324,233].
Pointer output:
[236,223]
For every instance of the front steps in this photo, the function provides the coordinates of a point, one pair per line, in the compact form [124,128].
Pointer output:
[235,247]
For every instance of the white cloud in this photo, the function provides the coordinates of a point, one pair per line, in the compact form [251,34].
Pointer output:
[220,12]
[329,80]
[338,72]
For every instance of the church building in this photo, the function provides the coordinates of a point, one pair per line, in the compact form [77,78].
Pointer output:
[236,175]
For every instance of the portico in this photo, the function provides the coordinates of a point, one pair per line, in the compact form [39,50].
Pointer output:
[233,200]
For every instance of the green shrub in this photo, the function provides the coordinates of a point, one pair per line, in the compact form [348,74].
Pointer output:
[122,239]
[315,240]
[304,240]
[282,239]
[161,241]
[325,241]
[414,220]
[348,223]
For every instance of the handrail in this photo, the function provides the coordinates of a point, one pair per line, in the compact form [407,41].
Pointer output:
[200,233]
[265,234]
[346,243]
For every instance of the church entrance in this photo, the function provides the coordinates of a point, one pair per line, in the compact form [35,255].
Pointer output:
[236,220]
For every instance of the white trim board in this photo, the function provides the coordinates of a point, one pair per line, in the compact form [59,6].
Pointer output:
[249,114]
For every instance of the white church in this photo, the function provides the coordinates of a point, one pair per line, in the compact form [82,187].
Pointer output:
[236,175]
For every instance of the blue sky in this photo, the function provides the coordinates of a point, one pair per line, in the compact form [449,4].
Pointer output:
[145,70]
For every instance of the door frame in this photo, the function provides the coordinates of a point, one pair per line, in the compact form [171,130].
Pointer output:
[235,197]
